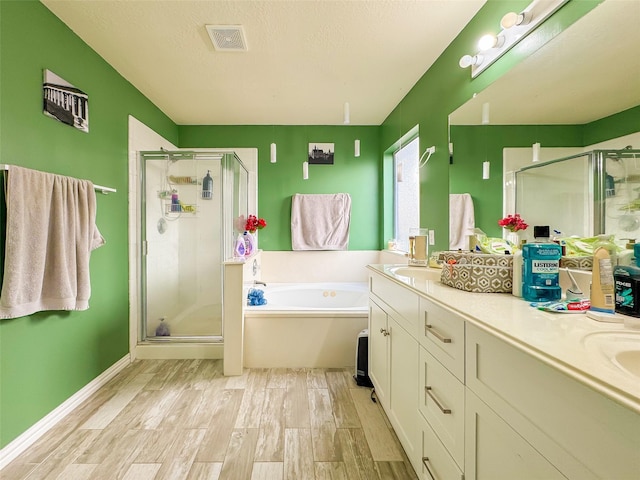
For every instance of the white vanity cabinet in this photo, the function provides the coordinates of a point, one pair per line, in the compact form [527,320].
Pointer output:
[394,357]
[558,420]
[468,402]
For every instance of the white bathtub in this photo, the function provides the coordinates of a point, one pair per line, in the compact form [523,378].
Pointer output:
[313,325]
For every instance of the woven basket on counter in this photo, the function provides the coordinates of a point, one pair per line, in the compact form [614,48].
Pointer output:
[477,272]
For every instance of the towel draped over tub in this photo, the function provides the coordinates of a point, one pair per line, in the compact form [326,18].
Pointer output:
[51,232]
[320,221]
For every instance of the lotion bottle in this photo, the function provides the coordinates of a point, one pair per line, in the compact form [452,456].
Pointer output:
[602,284]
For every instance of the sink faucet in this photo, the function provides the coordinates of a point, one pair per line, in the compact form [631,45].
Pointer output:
[258,282]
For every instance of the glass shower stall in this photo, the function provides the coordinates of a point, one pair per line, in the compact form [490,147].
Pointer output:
[190,202]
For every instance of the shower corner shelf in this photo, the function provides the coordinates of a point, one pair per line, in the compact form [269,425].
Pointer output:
[183,180]
[182,208]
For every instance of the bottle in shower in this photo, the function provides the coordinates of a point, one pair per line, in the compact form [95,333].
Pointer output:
[207,186]
[175,202]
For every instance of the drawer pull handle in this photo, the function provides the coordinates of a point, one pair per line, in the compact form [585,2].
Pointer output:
[384,332]
[425,462]
[429,391]
[439,336]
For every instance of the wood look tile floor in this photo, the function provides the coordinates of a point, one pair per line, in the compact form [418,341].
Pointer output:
[182,419]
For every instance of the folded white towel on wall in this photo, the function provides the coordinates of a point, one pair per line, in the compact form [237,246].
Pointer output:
[461,220]
[51,232]
[320,221]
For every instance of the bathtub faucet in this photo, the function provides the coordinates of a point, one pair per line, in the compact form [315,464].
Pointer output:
[258,282]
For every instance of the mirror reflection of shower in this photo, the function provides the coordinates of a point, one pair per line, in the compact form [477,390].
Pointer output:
[188,202]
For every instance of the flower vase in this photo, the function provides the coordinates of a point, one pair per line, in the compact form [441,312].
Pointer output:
[513,238]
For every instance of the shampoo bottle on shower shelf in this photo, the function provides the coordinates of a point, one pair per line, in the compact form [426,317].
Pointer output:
[175,202]
[239,248]
[541,268]
[207,186]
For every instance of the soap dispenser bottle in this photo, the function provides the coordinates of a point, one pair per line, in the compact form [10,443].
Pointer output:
[541,268]
[207,186]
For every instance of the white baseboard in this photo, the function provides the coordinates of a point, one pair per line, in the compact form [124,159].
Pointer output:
[24,441]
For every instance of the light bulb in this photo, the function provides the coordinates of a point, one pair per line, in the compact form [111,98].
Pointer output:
[536,152]
[512,19]
[356,148]
[347,114]
[468,60]
[486,42]
[273,153]
[305,171]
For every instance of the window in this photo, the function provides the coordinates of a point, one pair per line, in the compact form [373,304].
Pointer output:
[406,192]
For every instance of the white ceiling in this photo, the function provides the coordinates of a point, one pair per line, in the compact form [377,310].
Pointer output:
[590,71]
[305,58]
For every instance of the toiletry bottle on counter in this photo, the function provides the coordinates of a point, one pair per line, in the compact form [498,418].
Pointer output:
[248,244]
[517,271]
[602,282]
[541,268]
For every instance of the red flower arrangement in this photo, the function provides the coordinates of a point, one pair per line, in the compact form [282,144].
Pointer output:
[513,223]
[254,223]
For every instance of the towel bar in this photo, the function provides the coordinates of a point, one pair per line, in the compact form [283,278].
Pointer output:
[98,188]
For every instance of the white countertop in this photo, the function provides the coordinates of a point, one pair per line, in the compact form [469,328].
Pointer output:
[563,341]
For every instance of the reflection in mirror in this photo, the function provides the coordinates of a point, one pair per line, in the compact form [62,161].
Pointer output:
[565,96]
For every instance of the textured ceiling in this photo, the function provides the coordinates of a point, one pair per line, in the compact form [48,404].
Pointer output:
[305,58]
[590,71]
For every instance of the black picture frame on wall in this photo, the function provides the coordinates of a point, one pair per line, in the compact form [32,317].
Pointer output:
[321,153]
[64,102]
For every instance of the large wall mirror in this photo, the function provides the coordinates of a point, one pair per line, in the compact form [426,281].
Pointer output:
[579,92]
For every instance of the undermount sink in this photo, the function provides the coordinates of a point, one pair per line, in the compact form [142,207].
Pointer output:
[621,348]
[419,273]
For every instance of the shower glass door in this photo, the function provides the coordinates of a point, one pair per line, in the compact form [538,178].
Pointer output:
[186,225]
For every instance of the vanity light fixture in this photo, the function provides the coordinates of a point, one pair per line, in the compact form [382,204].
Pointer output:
[536,152]
[273,153]
[486,168]
[356,148]
[515,26]
[305,170]
[347,114]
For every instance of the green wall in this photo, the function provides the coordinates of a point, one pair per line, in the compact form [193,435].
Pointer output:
[47,357]
[277,182]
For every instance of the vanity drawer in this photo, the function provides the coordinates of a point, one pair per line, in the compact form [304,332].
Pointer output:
[436,463]
[442,404]
[441,332]
[403,301]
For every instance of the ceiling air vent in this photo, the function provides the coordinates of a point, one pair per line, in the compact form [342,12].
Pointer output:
[227,38]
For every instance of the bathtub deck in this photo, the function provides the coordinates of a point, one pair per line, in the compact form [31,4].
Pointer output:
[181,419]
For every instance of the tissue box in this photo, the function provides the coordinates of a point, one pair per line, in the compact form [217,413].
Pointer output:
[480,273]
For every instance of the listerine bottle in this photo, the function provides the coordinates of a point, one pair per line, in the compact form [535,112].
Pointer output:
[541,268]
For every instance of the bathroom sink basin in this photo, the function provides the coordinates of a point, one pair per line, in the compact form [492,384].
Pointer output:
[418,273]
[621,348]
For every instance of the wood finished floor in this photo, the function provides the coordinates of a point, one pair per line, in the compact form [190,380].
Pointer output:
[182,419]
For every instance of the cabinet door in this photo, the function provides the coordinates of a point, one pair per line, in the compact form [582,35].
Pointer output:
[494,451]
[379,352]
[404,353]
